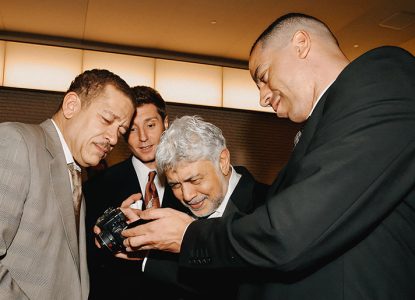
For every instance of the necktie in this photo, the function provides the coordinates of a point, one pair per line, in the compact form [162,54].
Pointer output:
[151,197]
[76,192]
[297,137]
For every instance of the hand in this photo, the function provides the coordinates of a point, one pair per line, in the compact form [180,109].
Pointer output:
[131,200]
[97,231]
[136,255]
[165,231]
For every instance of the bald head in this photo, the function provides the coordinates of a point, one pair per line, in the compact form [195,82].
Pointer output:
[282,30]
[292,62]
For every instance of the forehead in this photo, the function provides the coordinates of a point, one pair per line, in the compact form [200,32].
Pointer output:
[114,101]
[258,58]
[186,169]
[146,112]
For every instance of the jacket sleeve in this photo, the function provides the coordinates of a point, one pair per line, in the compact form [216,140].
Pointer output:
[358,167]
[14,185]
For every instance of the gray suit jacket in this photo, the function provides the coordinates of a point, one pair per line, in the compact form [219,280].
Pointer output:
[40,257]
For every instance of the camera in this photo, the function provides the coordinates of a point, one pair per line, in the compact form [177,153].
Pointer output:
[112,223]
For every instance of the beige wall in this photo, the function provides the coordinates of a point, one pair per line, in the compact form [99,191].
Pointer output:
[256,140]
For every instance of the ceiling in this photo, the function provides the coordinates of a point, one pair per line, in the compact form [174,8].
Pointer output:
[217,30]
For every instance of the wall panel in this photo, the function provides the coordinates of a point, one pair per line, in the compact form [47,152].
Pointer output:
[257,140]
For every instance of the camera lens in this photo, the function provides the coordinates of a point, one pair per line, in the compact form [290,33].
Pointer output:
[107,240]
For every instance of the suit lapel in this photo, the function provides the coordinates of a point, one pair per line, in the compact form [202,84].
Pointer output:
[241,198]
[61,187]
[302,146]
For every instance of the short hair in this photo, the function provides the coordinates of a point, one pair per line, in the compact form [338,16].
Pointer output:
[89,84]
[147,95]
[189,139]
[292,21]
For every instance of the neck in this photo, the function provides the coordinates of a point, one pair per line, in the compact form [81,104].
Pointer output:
[330,68]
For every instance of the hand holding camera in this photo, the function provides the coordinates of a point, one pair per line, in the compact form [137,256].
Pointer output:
[112,223]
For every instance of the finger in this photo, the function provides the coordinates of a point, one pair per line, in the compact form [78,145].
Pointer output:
[97,243]
[130,256]
[131,214]
[130,200]
[135,243]
[155,213]
[97,230]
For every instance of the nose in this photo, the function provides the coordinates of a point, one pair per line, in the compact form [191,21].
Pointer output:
[188,192]
[142,134]
[265,95]
[112,135]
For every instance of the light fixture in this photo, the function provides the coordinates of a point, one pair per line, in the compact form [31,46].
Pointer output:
[2,49]
[40,67]
[240,91]
[135,70]
[190,83]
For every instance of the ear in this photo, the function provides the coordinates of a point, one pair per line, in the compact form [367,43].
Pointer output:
[302,43]
[166,122]
[71,105]
[224,161]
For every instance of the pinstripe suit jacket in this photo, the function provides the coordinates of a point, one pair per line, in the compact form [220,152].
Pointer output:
[40,257]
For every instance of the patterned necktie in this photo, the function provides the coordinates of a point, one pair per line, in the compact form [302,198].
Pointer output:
[76,192]
[151,197]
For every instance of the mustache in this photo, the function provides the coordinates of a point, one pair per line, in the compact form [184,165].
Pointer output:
[105,145]
[197,199]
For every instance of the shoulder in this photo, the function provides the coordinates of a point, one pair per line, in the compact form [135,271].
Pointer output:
[249,188]
[382,62]
[14,132]
[247,177]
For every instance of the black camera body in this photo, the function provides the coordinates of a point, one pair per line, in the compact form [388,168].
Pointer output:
[112,223]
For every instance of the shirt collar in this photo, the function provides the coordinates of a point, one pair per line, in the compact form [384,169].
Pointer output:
[319,98]
[142,174]
[68,155]
[233,181]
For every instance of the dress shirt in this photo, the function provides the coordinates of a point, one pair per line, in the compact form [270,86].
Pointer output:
[142,173]
[233,181]
[319,97]
[68,155]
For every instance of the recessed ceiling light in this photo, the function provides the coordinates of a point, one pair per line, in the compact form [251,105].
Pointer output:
[356,46]
[399,20]
[213,22]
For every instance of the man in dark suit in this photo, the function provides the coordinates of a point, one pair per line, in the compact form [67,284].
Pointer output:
[110,276]
[193,155]
[339,221]
[42,229]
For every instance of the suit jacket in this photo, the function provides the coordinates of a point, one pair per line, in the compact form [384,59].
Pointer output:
[111,277]
[339,221]
[39,251]
[208,284]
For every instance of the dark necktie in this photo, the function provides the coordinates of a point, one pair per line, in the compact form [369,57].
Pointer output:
[151,197]
[76,192]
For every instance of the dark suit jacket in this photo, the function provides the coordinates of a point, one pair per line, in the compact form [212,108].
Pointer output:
[208,284]
[40,256]
[111,277]
[339,221]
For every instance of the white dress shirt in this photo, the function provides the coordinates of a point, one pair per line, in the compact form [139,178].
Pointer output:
[68,155]
[233,181]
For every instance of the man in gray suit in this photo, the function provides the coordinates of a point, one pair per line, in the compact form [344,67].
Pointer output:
[42,245]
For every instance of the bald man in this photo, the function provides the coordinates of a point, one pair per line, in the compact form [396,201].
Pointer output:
[339,220]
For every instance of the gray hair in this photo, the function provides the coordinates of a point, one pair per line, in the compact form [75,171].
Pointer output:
[189,139]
